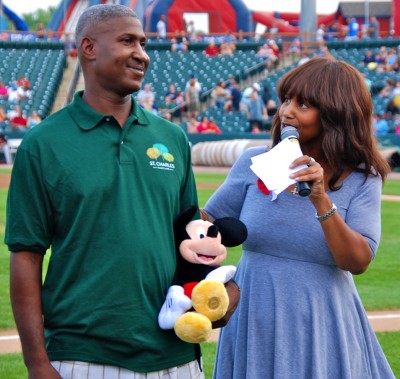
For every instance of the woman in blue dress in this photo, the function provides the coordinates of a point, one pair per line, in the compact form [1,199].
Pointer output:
[300,315]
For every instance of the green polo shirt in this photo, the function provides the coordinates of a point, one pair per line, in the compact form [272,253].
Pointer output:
[103,198]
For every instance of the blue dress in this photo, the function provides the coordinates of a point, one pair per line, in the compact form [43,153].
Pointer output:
[299,316]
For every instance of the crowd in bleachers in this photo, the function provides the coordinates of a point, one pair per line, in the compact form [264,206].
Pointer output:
[13,118]
[214,80]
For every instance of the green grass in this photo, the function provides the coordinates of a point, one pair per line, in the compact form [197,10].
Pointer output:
[12,366]
[392,187]
[378,287]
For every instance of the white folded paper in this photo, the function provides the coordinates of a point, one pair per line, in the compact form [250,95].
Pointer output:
[272,167]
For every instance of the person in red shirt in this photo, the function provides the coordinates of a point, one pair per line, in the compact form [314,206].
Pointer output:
[18,121]
[208,126]
[212,49]
[23,82]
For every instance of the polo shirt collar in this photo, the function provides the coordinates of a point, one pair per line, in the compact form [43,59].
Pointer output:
[87,118]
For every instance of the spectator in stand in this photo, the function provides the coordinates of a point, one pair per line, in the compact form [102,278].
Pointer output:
[179,101]
[191,30]
[226,49]
[235,95]
[395,95]
[392,61]
[381,58]
[3,91]
[150,105]
[368,58]
[352,29]
[23,82]
[266,94]
[230,39]
[211,49]
[397,126]
[5,149]
[212,125]
[191,126]
[380,125]
[179,41]
[388,88]
[15,94]
[219,95]
[255,129]
[52,35]
[256,112]
[33,119]
[164,110]
[192,97]
[70,45]
[172,91]
[205,126]
[162,27]
[274,30]
[320,35]
[3,118]
[189,82]
[13,111]
[202,125]
[271,108]
[241,36]
[18,121]
[373,27]
[270,52]
[146,95]
[332,32]
[392,108]
[41,31]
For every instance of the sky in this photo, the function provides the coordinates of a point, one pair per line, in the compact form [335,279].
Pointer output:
[323,6]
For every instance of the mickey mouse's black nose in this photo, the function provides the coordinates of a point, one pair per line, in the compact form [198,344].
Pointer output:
[212,231]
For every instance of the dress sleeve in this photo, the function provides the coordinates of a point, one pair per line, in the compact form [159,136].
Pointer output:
[228,200]
[364,213]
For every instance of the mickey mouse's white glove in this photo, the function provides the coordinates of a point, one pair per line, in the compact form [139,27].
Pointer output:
[175,305]
[222,274]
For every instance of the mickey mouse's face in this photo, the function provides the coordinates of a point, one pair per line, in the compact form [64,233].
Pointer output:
[204,246]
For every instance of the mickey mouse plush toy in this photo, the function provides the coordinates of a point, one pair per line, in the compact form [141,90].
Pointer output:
[199,279]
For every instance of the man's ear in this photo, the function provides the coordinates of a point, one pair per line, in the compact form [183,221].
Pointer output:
[87,48]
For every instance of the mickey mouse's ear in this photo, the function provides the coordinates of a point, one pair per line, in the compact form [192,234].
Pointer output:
[233,231]
[180,224]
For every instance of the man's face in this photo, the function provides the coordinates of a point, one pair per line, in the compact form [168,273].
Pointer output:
[120,58]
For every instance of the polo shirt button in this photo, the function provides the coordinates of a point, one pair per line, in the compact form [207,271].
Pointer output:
[122,142]
[108,119]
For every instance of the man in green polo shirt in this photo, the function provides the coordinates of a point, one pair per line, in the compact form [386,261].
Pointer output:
[100,183]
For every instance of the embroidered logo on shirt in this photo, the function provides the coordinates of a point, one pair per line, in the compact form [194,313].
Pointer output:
[160,157]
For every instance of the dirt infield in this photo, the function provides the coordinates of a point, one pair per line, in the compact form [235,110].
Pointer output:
[381,321]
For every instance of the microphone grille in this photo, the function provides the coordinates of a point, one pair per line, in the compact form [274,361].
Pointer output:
[289,131]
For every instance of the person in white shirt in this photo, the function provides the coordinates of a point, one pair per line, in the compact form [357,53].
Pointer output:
[162,27]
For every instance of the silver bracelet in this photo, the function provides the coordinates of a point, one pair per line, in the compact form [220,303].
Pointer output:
[327,214]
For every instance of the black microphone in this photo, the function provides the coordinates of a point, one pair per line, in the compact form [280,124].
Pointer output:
[291,132]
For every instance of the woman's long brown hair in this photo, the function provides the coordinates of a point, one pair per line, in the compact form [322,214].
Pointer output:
[340,94]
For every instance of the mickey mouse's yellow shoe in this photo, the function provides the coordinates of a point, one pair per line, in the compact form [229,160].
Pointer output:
[210,299]
[193,327]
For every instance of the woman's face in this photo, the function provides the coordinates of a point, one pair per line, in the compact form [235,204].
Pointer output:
[304,117]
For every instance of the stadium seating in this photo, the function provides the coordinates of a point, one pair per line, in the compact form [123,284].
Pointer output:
[42,62]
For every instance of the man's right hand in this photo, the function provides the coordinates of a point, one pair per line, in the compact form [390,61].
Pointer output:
[45,371]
